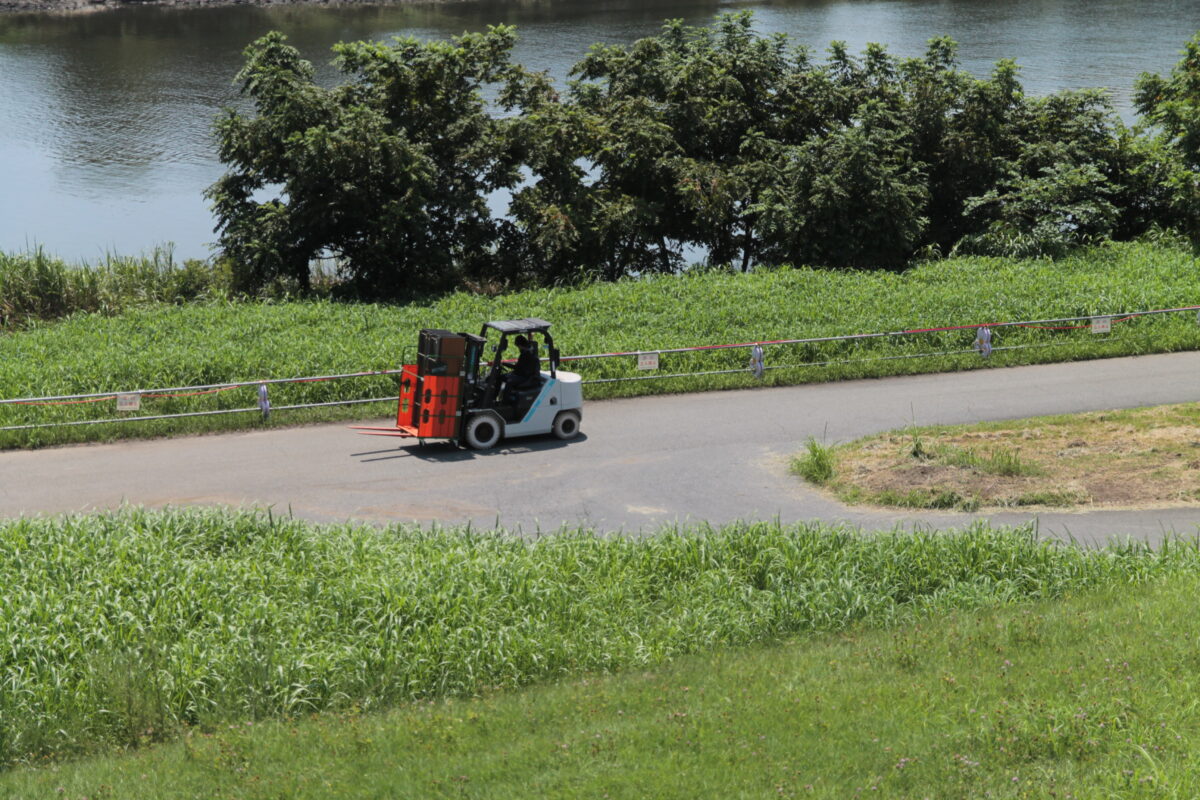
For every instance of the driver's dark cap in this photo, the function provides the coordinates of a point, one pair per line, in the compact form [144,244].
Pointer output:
[520,340]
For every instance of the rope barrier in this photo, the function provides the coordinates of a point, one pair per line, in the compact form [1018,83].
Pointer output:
[61,402]
[187,394]
[831,362]
[756,368]
[1042,324]
[180,391]
[148,418]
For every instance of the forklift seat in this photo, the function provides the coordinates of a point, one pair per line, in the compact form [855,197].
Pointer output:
[523,398]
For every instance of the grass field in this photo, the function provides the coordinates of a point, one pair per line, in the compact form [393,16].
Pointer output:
[129,628]
[156,345]
[1090,695]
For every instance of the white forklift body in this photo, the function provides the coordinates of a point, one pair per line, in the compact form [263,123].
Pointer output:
[561,393]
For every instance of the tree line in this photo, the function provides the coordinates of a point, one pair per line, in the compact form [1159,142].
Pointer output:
[718,140]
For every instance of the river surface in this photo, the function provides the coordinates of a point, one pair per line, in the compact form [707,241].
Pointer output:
[106,118]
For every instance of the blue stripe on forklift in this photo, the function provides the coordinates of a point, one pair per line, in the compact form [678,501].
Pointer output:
[538,402]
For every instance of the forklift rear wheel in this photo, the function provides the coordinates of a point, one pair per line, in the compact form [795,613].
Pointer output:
[566,424]
[482,432]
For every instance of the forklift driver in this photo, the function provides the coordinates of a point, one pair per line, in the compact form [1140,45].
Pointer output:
[527,372]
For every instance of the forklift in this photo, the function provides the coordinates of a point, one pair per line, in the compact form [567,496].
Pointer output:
[454,393]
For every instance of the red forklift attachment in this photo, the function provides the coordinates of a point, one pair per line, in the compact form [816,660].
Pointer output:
[427,408]
[430,400]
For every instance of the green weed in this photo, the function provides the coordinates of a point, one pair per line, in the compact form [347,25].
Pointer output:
[1003,461]
[938,499]
[1074,697]
[917,448]
[35,287]
[1062,498]
[816,463]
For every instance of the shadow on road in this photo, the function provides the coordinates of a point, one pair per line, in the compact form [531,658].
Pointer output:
[446,452]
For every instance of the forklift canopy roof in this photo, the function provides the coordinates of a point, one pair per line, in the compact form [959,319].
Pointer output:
[527,325]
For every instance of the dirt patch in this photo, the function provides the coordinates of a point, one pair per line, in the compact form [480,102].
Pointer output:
[1117,459]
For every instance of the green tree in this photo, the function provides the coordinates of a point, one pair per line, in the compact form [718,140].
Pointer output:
[852,198]
[1045,215]
[1056,191]
[387,173]
[564,224]
[684,123]
[709,138]
[1173,106]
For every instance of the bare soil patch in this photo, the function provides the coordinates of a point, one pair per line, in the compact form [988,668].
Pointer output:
[1111,459]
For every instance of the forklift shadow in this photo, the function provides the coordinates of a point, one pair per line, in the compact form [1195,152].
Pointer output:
[446,452]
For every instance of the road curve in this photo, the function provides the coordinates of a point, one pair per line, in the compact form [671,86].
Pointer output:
[642,462]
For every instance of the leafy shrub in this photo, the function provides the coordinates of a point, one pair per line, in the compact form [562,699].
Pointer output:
[1061,209]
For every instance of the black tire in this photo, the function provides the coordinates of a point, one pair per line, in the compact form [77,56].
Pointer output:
[483,432]
[566,425]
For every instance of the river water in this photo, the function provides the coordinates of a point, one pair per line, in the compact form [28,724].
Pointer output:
[105,118]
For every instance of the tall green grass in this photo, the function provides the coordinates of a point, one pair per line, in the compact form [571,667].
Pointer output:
[197,343]
[1080,697]
[36,287]
[1003,461]
[816,463]
[124,628]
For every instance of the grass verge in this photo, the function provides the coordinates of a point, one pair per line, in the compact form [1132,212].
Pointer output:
[127,628]
[1086,696]
[159,345]
[1137,457]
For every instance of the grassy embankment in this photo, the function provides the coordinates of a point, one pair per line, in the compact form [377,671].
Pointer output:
[128,628]
[133,344]
[1124,458]
[122,630]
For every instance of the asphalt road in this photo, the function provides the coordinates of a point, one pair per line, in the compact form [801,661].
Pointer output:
[642,462]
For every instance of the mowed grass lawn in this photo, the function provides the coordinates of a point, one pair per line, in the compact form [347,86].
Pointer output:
[156,345]
[1090,696]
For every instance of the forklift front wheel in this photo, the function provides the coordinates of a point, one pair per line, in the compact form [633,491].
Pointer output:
[566,424]
[483,432]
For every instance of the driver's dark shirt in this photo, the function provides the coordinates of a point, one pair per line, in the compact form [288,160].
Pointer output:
[527,363]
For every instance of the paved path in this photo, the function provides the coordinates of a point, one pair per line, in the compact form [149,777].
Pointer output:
[716,457]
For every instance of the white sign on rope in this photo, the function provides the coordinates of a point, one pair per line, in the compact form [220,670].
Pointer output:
[647,361]
[1101,324]
[757,363]
[129,402]
[983,341]
[264,401]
